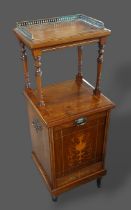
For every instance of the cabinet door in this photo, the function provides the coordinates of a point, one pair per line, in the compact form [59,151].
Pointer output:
[80,147]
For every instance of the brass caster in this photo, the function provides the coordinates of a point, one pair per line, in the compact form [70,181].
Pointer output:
[54,198]
[98,181]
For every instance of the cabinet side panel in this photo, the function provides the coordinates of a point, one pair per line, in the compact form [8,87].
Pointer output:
[40,140]
[100,139]
[106,135]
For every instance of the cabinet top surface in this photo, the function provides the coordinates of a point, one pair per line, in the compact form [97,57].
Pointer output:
[68,100]
[59,30]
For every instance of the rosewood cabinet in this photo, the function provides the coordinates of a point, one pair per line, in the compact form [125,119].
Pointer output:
[68,121]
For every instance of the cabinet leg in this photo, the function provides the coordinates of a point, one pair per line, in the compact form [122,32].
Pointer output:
[98,181]
[54,198]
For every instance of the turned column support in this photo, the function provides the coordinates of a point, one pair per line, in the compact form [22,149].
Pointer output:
[25,65]
[101,45]
[38,76]
[79,75]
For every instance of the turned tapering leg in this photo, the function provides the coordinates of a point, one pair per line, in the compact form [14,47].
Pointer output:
[99,68]
[38,77]
[98,181]
[54,198]
[25,65]
[79,75]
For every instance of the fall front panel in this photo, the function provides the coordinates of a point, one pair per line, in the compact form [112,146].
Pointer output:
[80,148]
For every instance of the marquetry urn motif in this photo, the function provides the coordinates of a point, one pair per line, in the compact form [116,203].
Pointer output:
[80,150]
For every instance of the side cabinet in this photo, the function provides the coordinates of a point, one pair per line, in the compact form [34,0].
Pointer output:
[68,120]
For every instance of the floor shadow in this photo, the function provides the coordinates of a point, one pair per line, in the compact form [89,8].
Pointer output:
[121,84]
[118,153]
[119,146]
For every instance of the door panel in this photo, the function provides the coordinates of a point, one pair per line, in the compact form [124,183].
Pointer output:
[79,149]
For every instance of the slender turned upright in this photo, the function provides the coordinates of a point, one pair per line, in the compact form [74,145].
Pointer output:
[79,75]
[38,77]
[101,45]
[24,59]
